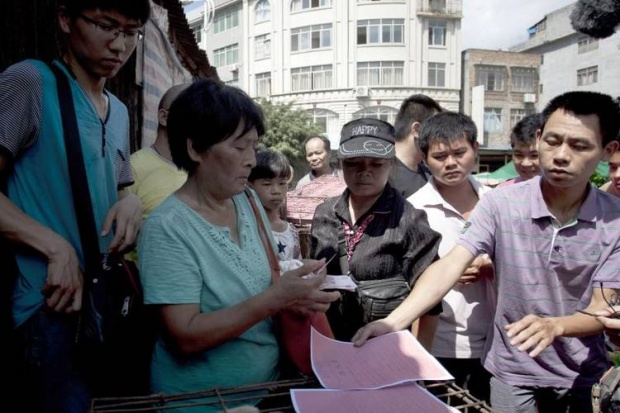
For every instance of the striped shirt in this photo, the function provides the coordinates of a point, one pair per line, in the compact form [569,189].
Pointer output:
[549,271]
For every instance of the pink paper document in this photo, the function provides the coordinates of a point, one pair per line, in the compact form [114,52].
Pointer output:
[405,398]
[383,361]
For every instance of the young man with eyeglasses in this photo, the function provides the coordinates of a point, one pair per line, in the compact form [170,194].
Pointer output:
[553,239]
[38,216]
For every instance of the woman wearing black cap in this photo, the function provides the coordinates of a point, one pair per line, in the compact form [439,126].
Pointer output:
[381,240]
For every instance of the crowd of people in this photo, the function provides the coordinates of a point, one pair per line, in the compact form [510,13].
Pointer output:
[511,297]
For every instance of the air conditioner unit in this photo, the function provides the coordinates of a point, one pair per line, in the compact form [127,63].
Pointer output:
[234,67]
[529,98]
[361,91]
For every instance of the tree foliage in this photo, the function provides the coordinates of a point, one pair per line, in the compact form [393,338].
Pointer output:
[286,127]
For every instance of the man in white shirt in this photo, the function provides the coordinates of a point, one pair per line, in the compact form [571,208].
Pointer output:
[448,143]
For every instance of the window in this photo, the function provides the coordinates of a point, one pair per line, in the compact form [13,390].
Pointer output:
[235,79]
[437,5]
[380,73]
[225,19]
[326,120]
[311,77]
[516,115]
[226,55]
[492,119]
[538,27]
[437,33]
[385,113]
[587,76]
[540,88]
[263,84]
[586,44]
[436,74]
[297,5]
[492,77]
[197,30]
[311,37]
[262,46]
[262,12]
[380,31]
[524,79]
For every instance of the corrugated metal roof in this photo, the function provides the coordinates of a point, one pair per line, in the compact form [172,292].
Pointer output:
[192,57]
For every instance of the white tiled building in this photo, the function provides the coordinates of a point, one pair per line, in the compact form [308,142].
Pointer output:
[337,59]
[571,60]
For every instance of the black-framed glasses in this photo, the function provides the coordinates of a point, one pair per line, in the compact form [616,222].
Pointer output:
[111,32]
[611,302]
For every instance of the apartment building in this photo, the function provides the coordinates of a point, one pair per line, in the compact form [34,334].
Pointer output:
[336,59]
[570,60]
[507,90]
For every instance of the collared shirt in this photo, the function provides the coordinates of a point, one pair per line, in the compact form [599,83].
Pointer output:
[397,241]
[467,309]
[546,271]
[310,176]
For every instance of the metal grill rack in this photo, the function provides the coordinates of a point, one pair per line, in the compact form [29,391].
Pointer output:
[274,398]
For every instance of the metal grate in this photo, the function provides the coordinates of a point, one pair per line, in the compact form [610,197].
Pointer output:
[274,398]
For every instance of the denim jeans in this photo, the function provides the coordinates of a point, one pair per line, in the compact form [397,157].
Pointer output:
[52,379]
[515,399]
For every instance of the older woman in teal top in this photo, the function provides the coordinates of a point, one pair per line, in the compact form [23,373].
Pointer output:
[201,258]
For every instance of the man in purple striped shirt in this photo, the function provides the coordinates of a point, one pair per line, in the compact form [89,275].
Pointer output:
[555,244]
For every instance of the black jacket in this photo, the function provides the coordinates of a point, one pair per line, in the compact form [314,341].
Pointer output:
[397,241]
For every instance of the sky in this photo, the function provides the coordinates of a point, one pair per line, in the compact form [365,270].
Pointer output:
[500,24]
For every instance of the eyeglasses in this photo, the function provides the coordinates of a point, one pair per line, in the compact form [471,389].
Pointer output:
[612,301]
[111,32]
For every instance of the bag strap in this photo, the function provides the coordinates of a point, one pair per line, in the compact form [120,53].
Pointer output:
[77,173]
[262,231]
[343,259]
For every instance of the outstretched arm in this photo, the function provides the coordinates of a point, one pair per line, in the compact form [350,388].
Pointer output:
[432,286]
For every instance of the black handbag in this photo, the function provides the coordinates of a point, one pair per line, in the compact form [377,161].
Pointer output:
[375,299]
[115,331]
[378,298]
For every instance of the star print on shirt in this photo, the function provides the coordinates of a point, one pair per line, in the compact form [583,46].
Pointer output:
[281,247]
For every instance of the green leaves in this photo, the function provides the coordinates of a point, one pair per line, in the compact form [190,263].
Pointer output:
[286,128]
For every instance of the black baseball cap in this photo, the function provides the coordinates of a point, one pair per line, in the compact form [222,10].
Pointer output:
[367,137]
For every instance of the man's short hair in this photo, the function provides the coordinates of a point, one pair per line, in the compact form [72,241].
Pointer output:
[138,10]
[206,113]
[446,127]
[524,132]
[588,103]
[171,94]
[326,143]
[270,164]
[416,108]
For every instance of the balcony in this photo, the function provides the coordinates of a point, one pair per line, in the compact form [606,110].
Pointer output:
[451,9]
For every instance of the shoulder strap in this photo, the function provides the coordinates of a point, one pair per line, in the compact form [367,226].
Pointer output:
[262,231]
[77,173]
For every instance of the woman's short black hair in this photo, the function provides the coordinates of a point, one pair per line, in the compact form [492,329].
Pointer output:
[270,164]
[206,113]
[139,10]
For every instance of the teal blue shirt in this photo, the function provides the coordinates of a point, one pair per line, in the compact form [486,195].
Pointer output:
[186,260]
[31,132]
